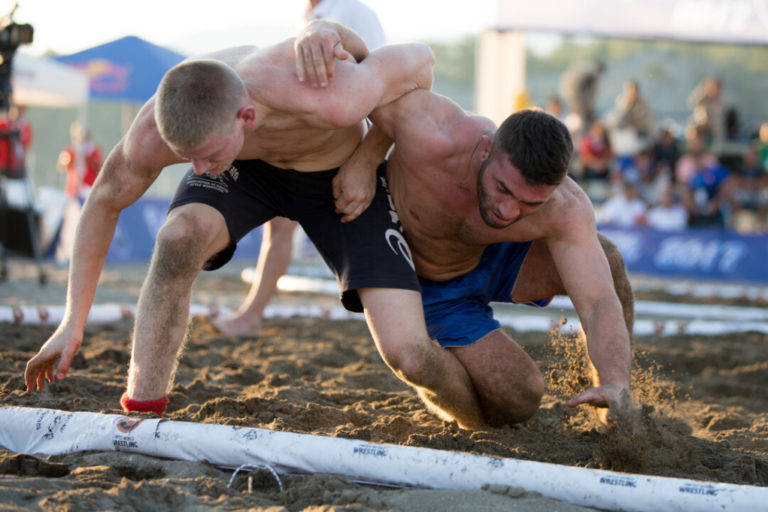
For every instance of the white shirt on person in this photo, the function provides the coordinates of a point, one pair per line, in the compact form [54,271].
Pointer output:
[621,211]
[672,218]
[353,14]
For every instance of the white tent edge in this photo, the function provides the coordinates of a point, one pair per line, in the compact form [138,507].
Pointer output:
[43,82]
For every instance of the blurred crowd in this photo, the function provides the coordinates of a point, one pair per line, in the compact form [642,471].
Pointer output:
[639,171]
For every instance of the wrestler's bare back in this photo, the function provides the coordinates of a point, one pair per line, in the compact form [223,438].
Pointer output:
[433,179]
[291,134]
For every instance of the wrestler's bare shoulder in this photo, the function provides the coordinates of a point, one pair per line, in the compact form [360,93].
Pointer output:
[570,196]
[142,146]
[237,55]
[444,137]
[568,209]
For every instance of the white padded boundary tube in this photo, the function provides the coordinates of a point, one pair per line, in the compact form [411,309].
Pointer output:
[99,313]
[110,313]
[49,432]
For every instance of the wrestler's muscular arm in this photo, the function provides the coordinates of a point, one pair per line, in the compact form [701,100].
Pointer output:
[388,74]
[128,171]
[413,115]
[586,275]
[420,118]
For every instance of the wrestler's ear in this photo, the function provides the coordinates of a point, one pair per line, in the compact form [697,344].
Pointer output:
[247,114]
[485,147]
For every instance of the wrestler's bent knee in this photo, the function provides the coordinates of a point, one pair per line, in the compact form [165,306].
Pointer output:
[178,247]
[413,363]
[517,405]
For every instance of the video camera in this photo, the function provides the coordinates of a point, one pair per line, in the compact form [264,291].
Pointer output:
[12,35]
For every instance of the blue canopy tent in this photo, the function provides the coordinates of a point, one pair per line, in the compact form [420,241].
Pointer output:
[127,69]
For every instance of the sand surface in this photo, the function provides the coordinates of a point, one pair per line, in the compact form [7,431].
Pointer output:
[704,415]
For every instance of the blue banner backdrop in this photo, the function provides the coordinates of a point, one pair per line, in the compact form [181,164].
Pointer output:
[138,226]
[706,254]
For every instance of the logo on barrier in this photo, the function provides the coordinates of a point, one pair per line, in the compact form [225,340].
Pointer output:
[57,424]
[376,451]
[126,425]
[496,463]
[630,245]
[250,435]
[618,481]
[702,255]
[704,490]
[124,442]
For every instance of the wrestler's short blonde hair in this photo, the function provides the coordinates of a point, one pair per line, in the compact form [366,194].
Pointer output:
[197,99]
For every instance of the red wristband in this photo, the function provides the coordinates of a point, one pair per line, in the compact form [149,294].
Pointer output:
[156,406]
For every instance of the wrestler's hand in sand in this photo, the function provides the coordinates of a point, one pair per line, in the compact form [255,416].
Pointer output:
[318,46]
[61,347]
[354,187]
[614,401]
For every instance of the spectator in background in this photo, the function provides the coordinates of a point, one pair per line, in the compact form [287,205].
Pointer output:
[351,13]
[668,214]
[709,110]
[695,149]
[624,209]
[81,160]
[666,152]
[555,107]
[749,197]
[706,195]
[578,87]
[277,236]
[15,139]
[631,123]
[641,171]
[596,160]
[763,146]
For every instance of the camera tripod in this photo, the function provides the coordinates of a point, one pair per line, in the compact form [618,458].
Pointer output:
[14,169]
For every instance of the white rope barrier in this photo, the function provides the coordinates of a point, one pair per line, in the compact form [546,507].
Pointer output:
[51,432]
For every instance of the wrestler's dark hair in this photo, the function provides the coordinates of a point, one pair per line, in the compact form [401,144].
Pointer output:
[537,143]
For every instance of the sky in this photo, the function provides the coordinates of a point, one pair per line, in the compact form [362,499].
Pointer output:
[196,26]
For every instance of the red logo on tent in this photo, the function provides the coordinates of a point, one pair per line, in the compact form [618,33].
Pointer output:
[106,76]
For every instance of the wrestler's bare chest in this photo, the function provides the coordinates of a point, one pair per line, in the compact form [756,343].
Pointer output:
[301,147]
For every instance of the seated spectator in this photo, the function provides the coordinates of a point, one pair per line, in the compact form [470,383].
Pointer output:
[706,195]
[624,209]
[666,152]
[695,150]
[668,214]
[596,160]
[749,197]
[641,171]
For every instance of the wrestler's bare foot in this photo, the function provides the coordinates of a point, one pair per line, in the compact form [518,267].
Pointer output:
[238,324]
